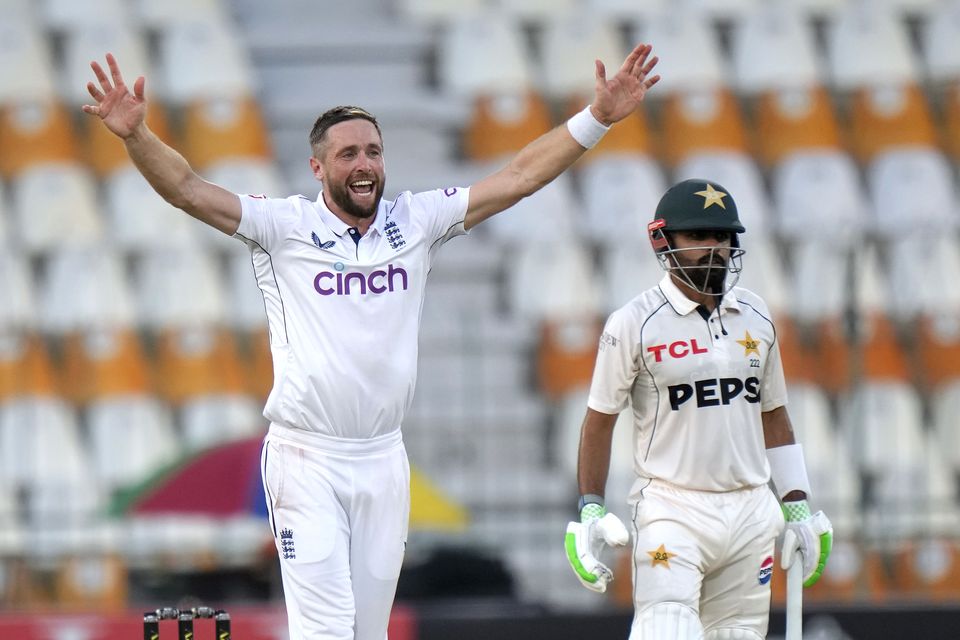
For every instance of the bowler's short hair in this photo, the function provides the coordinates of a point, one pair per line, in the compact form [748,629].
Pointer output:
[334,116]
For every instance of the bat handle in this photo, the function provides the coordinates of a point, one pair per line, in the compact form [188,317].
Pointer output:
[795,599]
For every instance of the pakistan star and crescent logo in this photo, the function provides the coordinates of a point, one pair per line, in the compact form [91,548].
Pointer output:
[711,196]
[749,345]
[660,556]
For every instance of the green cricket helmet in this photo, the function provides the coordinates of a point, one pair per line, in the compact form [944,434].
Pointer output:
[698,205]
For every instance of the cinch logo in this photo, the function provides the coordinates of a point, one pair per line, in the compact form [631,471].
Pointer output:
[328,283]
[714,392]
[678,349]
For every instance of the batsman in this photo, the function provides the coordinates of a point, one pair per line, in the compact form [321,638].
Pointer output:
[696,360]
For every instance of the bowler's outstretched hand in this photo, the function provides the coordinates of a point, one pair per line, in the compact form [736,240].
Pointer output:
[618,97]
[121,111]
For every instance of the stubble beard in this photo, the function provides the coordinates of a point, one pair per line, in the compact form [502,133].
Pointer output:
[342,197]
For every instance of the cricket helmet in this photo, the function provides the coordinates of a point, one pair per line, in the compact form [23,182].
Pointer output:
[697,205]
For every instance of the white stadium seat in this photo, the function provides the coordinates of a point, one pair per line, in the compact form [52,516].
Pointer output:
[913,189]
[86,43]
[26,66]
[690,54]
[571,41]
[620,193]
[179,287]
[941,32]
[774,48]
[868,45]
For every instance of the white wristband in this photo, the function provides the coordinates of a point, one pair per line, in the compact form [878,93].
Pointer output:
[788,470]
[586,129]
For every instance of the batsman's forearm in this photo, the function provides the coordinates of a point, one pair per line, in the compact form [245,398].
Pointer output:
[593,464]
[164,168]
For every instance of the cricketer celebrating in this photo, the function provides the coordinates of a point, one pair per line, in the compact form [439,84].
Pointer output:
[343,280]
[698,361]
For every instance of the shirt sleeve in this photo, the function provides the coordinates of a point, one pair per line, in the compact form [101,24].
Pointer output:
[773,387]
[616,367]
[265,221]
[444,212]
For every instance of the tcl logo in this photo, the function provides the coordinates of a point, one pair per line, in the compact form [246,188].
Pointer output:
[678,349]
[714,392]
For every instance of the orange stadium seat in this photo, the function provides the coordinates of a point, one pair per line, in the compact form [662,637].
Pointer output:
[928,569]
[566,354]
[86,582]
[221,129]
[104,363]
[852,574]
[938,350]
[798,362]
[889,116]
[502,124]
[25,367]
[883,357]
[697,121]
[196,362]
[791,120]
[105,153]
[35,133]
[832,352]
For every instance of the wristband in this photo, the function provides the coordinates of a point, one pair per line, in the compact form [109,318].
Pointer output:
[589,498]
[788,470]
[586,129]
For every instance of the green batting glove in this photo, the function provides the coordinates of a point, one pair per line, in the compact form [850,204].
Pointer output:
[810,535]
[585,540]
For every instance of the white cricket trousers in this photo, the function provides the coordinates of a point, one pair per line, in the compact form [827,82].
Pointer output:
[339,510]
[712,552]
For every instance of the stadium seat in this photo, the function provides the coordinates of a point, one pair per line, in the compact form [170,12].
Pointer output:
[157,16]
[84,43]
[438,12]
[951,110]
[629,12]
[214,418]
[225,128]
[620,193]
[945,407]
[911,259]
[553,280]
[85,288]
[691,60]
[913,188]
[35,133]
[890,117]
[226,72]
[701,121]
[774,50]
[178,287]
[535,12]
[504,67]
[794,121]
[939,34]
[551,212]
[139,220]
[55,207]
[566,354]
[938,349]
[26,368]
[131,436]
[929,569]
[820,282]
[26,66]
[502,124]
[571,40]
[197,363]
[64,15]
[92,581]
[867,44]
[104,362]
[818,198]
[19,312]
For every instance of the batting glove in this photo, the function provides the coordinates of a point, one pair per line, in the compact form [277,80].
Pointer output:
[810,535]
[585,540]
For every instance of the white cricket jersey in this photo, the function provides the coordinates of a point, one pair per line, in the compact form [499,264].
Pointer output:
[697,394]
[344,315]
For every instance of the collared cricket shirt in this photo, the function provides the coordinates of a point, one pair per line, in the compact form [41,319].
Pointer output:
[344,311]
[697,385]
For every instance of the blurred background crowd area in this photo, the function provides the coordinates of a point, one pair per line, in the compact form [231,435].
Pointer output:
[133,352]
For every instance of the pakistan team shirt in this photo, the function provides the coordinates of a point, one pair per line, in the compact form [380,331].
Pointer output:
[697,385]
[344,311]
